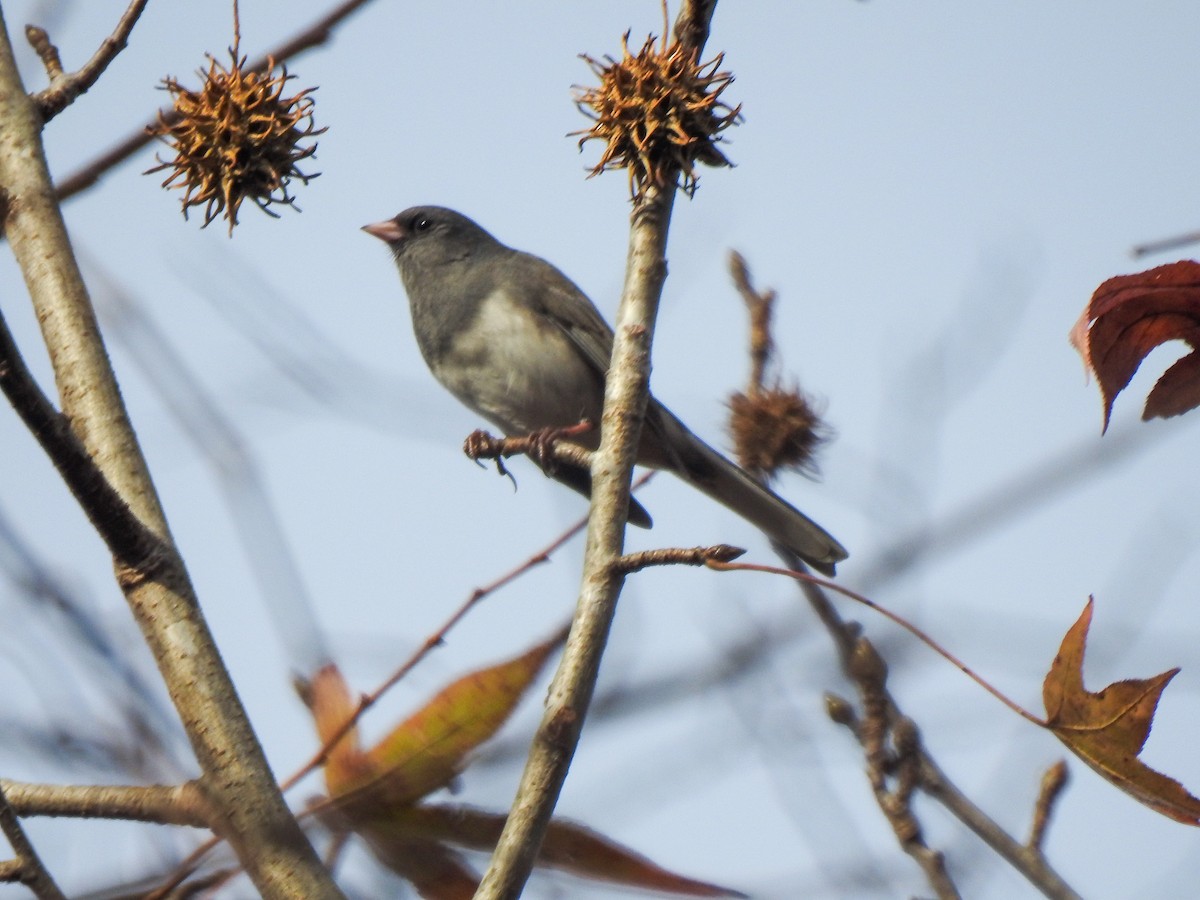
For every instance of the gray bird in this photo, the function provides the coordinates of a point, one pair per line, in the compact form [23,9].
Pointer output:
[515,340]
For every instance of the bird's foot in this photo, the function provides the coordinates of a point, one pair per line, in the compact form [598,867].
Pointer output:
[541,442]
[481,445]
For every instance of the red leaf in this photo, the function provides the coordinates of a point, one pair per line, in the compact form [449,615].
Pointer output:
[1127,318]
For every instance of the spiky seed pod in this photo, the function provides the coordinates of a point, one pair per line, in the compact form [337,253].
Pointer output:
[236,137]
[775,428]
[658,112]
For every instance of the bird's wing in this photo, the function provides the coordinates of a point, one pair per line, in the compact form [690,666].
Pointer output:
[562,302]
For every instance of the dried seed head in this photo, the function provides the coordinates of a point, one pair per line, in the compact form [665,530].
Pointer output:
[659,113]
[236,137]
[774,428]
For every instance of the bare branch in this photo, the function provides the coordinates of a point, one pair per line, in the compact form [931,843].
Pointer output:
[135,547]
[29,869]
[39,40]
[678,556]
[761,306]
[1029,862]
[1164,244]
[897,764]
[625,397]
[1053,782]
[263,832]
[436,639]
[65,88]
[183,804]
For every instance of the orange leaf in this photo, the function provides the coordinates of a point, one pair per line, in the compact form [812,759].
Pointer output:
[427,750]
[1128,317]
[331,704]
[1108,729]
[568,846]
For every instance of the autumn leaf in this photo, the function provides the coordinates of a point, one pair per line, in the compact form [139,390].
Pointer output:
[328,699]
[436,871]
[1128,317]
[427,750]
[568,846]
[1108,729]
[377,793]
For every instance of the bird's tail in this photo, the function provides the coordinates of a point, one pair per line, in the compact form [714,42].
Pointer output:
[733,487]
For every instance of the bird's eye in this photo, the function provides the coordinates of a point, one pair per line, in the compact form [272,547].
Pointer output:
[421,223]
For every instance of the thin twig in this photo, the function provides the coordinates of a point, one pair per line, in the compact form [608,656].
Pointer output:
[314,35]
[897,764]
[546,448]
[436,639]
[897,619]
[39,40]
[903,763]
[678,556]
[32,873]
[760,306]
[65,88]
[933,782]
[1026,860]
[1053,782]
[184,870]
[1164,244]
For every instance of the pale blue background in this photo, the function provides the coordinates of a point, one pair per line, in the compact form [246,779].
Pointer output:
[934,189]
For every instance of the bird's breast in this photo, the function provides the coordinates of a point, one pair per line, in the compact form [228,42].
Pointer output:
[519,370]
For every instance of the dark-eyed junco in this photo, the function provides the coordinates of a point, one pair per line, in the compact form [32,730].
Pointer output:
[516,341]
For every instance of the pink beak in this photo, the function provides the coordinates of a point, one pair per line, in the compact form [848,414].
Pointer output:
[388,231]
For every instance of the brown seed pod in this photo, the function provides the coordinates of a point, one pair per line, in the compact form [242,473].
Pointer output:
[775,428]
[659,113]
[236,137]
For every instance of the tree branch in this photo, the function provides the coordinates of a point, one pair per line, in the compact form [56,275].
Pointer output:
[1054,780]
[625,396]
[892,747]
[135,547]
[28,869]
[183,804]
[678,556]
[236,777]
[847,637]
[1029,861]
[65,88]
[571,690]
[897,763]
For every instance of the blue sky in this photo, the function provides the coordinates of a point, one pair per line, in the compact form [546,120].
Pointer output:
[935,190]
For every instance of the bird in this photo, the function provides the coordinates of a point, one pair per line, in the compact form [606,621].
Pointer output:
[517,342]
